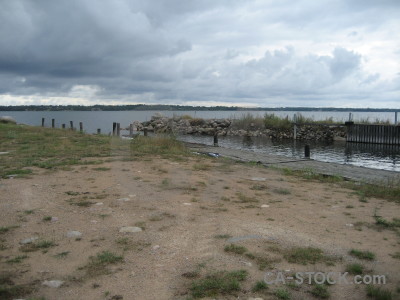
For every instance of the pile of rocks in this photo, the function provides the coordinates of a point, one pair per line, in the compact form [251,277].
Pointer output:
[223,127]
[185,125]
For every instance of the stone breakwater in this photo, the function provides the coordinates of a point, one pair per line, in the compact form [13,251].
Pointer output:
[227,127]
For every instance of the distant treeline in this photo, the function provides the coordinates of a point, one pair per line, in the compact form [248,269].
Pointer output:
[177,108]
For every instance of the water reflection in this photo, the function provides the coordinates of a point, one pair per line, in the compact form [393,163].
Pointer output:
[368,155]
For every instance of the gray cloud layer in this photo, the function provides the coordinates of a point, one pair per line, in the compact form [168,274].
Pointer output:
[266,53]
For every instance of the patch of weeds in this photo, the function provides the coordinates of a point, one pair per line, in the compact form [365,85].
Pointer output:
[103,216]
[222,236]
[245,199]
[270,219]
[9,290]
[222,282]
[161,216]
[223,198]
[355,269]
[259,187]
[128,244]
[235,249]
[29,211]
[5,229]
[226,187]
[378,293]
[282,293]
[44,244]
[101,169]
[396,255]
[81,203]
[304,256]
[282,191]
[320,291]
[141,225]
[17,259]
[63,254]
[137,178]
[201,167]
[98,264]
[366,255]
[165,182]
[46,219]
[259,286]
[71,193]
[349,206]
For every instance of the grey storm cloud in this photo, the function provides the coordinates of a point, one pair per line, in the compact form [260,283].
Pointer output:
[249,53]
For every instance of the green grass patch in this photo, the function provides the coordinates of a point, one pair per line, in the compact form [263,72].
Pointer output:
[48,148]
[282,293]
[355,269]
[222,236]
[378,293]
[246,199]
[282,191]
[101,169]
[17,259]
[5,229]
[320,291]
[165,146]
[98,264]
[365,255]
[306,255]
[219,283]
[259,286]
[235,249]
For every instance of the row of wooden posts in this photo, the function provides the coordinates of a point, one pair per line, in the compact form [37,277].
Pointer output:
[71,125]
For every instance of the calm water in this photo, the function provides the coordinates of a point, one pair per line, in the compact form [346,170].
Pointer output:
[372,156]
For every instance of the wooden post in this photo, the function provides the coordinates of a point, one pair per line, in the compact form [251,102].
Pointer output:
[53,123]
[130,129]
[350,117]
[80,126]
[71,125]
[145,131]
[42,122]
[295,127]
[63,126]
[114,128]
[216,140]
[307,151]
[395,118]
[98,130]
[118,129]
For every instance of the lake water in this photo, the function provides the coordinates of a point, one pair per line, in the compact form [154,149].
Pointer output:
[372,156]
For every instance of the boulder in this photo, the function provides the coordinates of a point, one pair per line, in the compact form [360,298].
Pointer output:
[7,119]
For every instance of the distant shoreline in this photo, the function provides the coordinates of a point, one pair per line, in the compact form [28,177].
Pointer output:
[144,107]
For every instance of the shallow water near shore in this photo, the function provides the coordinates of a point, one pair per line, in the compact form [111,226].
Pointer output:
[383,157]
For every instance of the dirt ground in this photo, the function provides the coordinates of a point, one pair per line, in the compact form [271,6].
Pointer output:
[188,212]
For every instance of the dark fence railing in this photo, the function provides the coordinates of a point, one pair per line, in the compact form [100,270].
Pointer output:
[373,134]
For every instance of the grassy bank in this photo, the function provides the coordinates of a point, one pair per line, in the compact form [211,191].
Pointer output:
[272,121]
[53,149]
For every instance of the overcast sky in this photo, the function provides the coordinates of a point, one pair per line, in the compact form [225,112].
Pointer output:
[343,53]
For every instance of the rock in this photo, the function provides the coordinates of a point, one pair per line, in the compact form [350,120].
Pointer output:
[53,283]
[2,153]
[186,203]
[156,247]
[258,179]
[28,240]
[74,234]
[130,229]
[251,298]
[246,263]
[124,199]
[264,206]
[99,203]
[7,119]
[54,219]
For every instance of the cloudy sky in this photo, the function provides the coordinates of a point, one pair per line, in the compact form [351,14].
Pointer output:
[270,53]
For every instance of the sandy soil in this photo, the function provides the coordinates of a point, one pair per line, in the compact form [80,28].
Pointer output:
[182,207]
